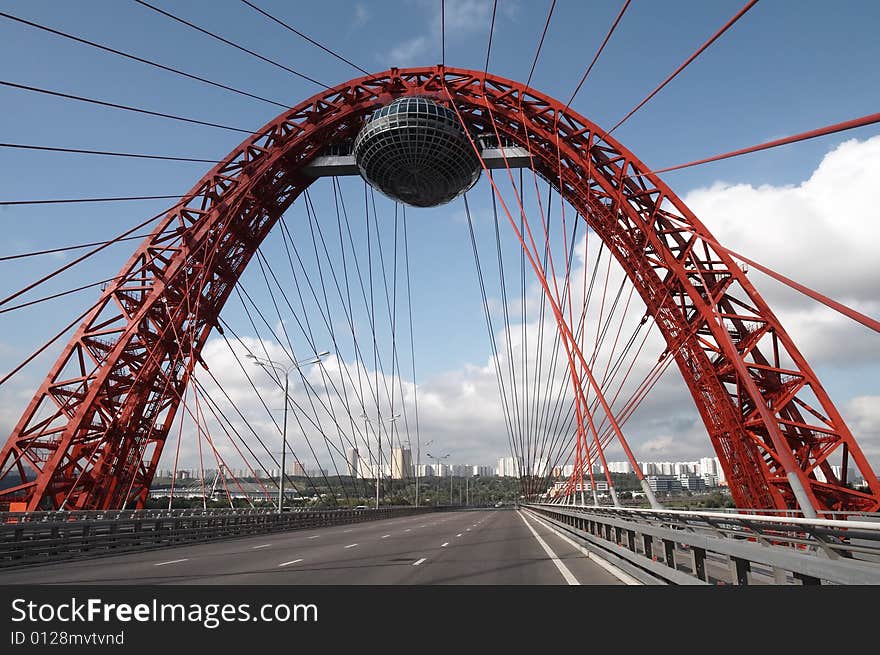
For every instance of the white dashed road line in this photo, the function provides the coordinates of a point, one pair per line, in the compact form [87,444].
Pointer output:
[314,536]
[563,569]
[419,561]
[459,534]
[291,562]
[444,545]
[261,546]
[385,536]
[174,561]
[351,545]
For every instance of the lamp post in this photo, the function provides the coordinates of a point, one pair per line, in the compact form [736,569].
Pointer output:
[391,419]
[419,463]
[267,363]
[437,487]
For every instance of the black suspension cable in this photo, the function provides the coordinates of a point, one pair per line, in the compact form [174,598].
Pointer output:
[304,36]
[105,153]
[507,413]
[113,105]
[127,55]
[491,32]
[515,420]
[541,42]
[65,201]
[231,43]
[291,353]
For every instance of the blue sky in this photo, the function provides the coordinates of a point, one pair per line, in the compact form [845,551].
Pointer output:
[784,68]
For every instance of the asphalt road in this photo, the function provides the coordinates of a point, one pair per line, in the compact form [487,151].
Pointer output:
[484,547]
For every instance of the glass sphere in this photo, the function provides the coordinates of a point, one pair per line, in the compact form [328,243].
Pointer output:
[416,151]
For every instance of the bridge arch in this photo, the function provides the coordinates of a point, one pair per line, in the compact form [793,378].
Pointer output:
[94,430]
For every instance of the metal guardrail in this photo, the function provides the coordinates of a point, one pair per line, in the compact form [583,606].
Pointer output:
[34,537]
[687,547]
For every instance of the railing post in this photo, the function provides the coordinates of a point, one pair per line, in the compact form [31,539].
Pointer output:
[631,540]
[669,553]
[648,545]
[740,568]
[779,576]
[698,562]
[807,579]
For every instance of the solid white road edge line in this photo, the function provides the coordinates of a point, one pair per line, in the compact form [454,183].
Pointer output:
[625,578]
[563,569]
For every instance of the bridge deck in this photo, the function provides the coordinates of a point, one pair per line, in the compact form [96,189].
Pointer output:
[462,547]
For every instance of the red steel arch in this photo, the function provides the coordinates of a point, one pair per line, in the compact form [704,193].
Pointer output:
[94,430]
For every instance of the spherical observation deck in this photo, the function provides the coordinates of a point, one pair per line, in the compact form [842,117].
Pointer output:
[415,150]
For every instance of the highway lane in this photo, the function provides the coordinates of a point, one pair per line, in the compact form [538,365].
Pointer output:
[456,547]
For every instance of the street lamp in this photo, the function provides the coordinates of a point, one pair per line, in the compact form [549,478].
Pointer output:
[267,363]
[391,419]
[419,463]
[437,486]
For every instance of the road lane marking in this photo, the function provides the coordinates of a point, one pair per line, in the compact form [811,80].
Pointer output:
[349,530]
[444,545]
[459,534]
[563,569]
[295,561]
[407,530]
[174,561]
[351,545]
[419,561]
[385,536]
[613,570]
[468,530]
[262,546]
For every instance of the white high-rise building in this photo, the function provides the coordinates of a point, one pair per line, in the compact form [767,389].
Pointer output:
[482,471]
[425,471]
[708,466]
[367,469]
[351,461]
[401,463]
[541,467]
[509,467]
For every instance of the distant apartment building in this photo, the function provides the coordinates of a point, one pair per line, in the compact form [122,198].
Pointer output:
[482,471]
[352,460]
[509,467]
[401,463]
[664,484]
[692,483]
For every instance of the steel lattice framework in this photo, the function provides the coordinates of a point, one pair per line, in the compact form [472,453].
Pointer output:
[94,431]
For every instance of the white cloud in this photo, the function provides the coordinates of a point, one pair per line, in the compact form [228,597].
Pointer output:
[862,414]
[821,233]
[408,50]
[463,19]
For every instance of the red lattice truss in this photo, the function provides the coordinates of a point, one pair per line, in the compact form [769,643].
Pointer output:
[94,430]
